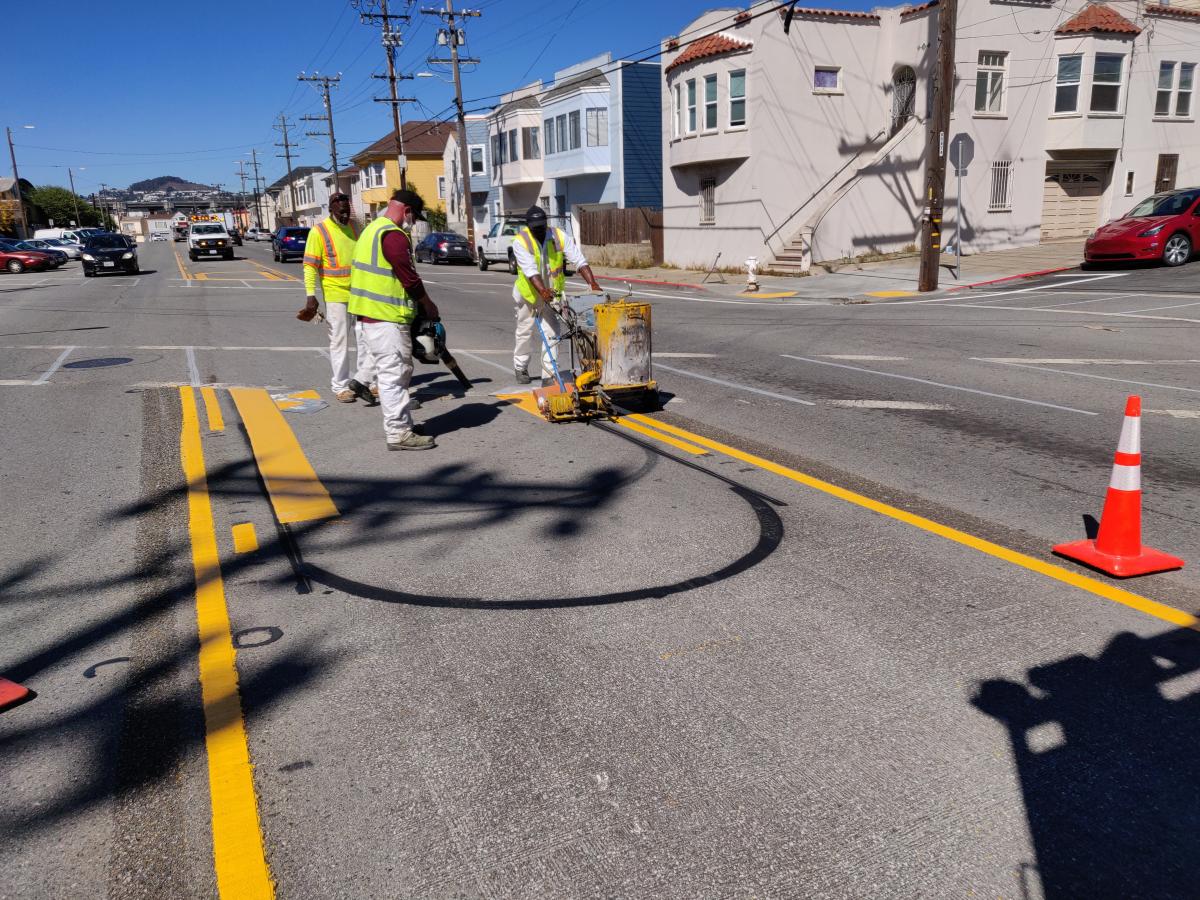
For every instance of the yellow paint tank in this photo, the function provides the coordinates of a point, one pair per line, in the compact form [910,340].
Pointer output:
[623,338]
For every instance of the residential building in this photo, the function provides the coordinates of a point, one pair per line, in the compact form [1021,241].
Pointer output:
[810,143]
[601,137]
[515,143]
[424,143]
[311,193]
[11,195]
[349,183]
[483,194]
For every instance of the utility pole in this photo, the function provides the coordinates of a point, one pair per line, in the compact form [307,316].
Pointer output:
[390,40]
[257,208]
[74,197]
[241,173]
[325,82]
[937,146]
[453,35]
[287,155]
[17,186]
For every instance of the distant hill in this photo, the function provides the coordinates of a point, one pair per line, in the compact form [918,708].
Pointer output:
[169,183]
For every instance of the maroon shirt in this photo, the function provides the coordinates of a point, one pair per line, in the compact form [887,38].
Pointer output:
[398,252]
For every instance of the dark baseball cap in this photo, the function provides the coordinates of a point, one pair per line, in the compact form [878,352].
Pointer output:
[413,201]
[339,196]
[535,216]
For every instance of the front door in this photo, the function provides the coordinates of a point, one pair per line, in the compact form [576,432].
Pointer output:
[1164,178]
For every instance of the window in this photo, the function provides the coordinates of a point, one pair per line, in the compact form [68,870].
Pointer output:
[441,187]
[1000,200]
[573,119]
[530,144]
[1066,93]
[499,149]
[1183,97]
[597,126]
[827,80]
[677,113]
[708,201]
[989,82]
[1106,82]
[550,142]
[1166,82]
[512,146]
[737,98]
[710,102]
[477,161]
[1128,184]
[691,106]
[560,124]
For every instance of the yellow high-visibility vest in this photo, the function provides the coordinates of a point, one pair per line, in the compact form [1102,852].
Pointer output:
[375,291]
[327,255]
[556,277]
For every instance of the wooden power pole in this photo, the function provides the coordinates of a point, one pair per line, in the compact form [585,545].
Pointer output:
[391,40]
[937,147]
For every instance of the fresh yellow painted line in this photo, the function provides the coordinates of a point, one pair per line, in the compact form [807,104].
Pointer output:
[182,270]
[296,399]
[665,438]
[245,538]
[295,490]
[238,853]
[891,293]
[1066,576]
[271,276]
[199,276]
[283,275]
[777,295]
[524,400]
[212,409]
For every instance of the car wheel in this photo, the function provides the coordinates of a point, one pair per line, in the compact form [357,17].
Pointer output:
[87,273]
[16,266]
[512,263]
[275,255]
[136,270]
[1177,250]
[483,263]
[229,255]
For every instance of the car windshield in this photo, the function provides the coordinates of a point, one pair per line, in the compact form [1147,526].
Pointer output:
[106,242]
[1164,205]
[208,229]
[57,242]
[449,236]
[296,232]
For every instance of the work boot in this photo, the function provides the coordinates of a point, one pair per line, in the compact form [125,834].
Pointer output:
[346,396]
[522,376]
[360,391]
[412,441]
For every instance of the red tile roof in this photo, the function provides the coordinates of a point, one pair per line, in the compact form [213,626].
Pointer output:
[1156,10]
[830,13]
[1098,17]
[709,45]
[913,10]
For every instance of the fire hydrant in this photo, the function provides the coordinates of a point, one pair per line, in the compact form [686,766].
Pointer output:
[752,273]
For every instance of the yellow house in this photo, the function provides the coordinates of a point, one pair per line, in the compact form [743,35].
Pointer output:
[424,144]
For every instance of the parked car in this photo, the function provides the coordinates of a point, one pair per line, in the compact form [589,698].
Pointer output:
[109,252]
[1164,226]
[70,248]
[258,234]
[497,245]
[16,261]
[57,257]
[158,236]
[288,243]
[237,237]
[443,246]
[208,239]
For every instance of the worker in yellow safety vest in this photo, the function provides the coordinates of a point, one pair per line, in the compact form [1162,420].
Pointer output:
[327,255]
[540,253]
[385,291]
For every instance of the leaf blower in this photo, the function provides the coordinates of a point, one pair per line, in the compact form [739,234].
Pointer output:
[429,347]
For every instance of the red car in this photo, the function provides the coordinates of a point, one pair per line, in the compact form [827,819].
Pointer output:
[17,261]
[1165,226]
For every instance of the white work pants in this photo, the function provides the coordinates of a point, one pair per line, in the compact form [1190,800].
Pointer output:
[528,337]
[390,346]
[338,320]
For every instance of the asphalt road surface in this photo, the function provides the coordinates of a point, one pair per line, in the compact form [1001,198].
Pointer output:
[799,634]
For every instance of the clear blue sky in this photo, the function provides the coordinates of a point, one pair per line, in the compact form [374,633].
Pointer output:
[135,89]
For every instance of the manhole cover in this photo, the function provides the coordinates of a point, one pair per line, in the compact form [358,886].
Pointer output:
[99,363]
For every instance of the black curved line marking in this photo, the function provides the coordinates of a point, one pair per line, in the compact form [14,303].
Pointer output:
[273,633]
[90,671]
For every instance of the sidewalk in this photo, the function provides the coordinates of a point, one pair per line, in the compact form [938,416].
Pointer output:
[867,281]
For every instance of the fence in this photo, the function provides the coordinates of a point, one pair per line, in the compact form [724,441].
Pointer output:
[639,225]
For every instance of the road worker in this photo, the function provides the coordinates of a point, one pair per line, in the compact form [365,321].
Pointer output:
[541,277]
[385,290]
[327,255]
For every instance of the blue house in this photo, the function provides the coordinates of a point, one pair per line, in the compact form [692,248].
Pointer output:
[483,195]
[602,138]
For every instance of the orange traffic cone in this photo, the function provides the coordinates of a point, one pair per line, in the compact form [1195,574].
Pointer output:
[12,693]
[1118,548]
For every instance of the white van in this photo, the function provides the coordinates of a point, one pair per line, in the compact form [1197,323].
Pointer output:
[74,235]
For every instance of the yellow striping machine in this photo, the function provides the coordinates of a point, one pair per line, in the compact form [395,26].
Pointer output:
[609,341]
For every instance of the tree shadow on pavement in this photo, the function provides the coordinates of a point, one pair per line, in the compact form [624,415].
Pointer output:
[1106,751]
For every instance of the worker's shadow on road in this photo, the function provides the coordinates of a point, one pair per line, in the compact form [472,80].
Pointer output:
[466,415]
[1107,752]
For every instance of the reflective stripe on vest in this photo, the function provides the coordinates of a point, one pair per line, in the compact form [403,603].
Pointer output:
[375,291]
[333,266]
[556,277]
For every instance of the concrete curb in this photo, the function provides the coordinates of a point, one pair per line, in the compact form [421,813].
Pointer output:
[967,287]
[648,281]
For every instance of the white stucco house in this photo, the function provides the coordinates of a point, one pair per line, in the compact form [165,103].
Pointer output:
[812,141]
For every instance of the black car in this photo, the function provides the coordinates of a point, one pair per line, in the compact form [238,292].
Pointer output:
[109,252]
[236,235]
[444,246]
[288,243]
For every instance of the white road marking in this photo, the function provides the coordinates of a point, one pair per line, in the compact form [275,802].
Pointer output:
[658,355]
[148,347]
[193,371]
[1057,287]
[487,362]
[1176,413]
[736,386]
[952,387]
[1075,312]
[1086,362]
[10,382]
[887,404]
[1169,387]
[1085,302]
[853,358]
[1156,308]
[62,358]
[799,302]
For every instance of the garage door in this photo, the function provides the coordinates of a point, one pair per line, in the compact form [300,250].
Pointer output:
[1071,201]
